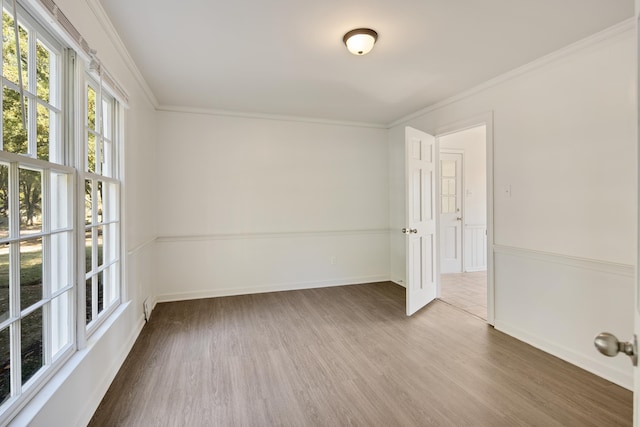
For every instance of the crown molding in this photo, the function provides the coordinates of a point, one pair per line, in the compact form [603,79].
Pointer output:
[602,36]
[107,26]
[264,116]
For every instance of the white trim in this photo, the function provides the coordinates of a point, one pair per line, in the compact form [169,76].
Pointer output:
[88,406]
[102,385]
[279,235]
[604,35]
[591,364]
[399,283]
[107,26]
[636,280]
[474,270]
[141,246]
[486,120]
[215,293]
[624,270]
[61,26]
[469,228]
[102,17]
[264,116]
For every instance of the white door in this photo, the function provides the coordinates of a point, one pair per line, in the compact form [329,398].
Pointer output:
[636,313]
[420,219]
[636,369]
[451,212]
[607,343]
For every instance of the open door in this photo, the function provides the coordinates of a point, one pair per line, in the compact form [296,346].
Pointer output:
[420,226]
[636,313]
[636,369]
[606,342]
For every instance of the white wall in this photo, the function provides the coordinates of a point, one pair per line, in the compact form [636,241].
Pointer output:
[278,205]
[474,145]
[72,396]
[255,205]
[397,200]
[564,140]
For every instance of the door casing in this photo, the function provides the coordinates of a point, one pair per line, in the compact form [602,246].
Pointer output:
[486,120]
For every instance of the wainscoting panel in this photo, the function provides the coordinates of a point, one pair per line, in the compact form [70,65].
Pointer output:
[560,303]
[475,247]
[192,267]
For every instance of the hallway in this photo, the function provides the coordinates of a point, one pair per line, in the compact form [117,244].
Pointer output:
[467,291]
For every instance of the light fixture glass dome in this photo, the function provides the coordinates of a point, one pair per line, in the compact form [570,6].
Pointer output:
[360,41]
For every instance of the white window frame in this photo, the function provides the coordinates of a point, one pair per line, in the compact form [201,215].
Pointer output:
[91,78]
[58,162]
[74,67]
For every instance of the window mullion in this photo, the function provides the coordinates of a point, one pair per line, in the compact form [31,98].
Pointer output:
[99,130]
[78,126]
[14,278]
[94,246]
[32,112]
[46,265]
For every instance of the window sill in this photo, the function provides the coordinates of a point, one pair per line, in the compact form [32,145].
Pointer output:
[71,396]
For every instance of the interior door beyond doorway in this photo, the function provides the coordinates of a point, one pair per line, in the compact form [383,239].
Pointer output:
[451,213]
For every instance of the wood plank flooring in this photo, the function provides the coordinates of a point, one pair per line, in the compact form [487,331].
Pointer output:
[467,291]
[345,356]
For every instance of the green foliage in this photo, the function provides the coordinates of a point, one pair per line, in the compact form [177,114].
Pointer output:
[15,138]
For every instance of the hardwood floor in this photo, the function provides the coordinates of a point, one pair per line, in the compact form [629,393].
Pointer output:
[345,356]
[467,291]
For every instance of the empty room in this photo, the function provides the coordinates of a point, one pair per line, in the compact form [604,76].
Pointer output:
[411,213]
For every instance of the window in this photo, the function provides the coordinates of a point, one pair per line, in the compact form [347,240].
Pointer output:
[36,214]
[60,226]
[101,204]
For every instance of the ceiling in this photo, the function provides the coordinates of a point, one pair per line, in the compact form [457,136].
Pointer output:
[286,57]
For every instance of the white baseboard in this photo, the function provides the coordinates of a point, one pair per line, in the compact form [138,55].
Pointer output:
[44,408]
[225,292]
[399,282]
[592,365]
[102,386]
[475,270]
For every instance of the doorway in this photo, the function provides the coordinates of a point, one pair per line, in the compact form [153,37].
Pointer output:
[463,219]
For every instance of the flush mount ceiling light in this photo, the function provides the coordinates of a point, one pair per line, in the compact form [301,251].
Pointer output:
[360,41]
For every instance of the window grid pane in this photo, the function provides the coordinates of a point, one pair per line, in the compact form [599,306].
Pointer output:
[60,323]
[4,201]
[43,71]
[30,201]
[14,134]
[36,211]
[30,272]
[101,205]
[31,329]
[4,282]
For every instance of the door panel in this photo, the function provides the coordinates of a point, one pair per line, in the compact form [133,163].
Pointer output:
[420,220]
[636,314]
[451,213]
